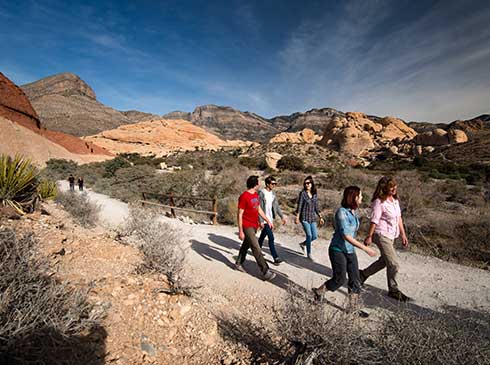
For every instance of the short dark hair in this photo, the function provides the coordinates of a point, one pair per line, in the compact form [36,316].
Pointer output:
[252,181]
[349,198]
[269,179]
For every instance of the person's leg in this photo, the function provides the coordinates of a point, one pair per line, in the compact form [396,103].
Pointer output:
[263,234]
[339,267]
[270,238]
[354,283]
[257,252]
[242,254]
[314,231]
[387,249]
[307,229]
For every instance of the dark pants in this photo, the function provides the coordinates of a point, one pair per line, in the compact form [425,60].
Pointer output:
[344,263]
[72,187]
[250,241]
[267,231]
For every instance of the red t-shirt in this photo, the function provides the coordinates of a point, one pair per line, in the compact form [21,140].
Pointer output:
[250,203]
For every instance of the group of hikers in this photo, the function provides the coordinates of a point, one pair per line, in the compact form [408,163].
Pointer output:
[257,208]
[71,181]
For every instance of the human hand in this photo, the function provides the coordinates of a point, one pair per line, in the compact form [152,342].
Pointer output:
[322,221]
[271,225]
[404,240]
[241,235]
[262,225]
[296,220]
[284,221]
[368,240]
[370,251]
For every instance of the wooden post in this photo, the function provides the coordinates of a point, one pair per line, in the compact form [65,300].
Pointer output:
[172,203]
[215,210]
[144,198]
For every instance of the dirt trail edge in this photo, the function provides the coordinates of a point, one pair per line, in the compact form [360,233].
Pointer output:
[432,283]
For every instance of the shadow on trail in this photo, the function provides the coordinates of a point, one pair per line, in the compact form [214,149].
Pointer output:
[372,296]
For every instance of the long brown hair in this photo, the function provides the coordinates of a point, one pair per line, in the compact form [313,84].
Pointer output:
[383,188]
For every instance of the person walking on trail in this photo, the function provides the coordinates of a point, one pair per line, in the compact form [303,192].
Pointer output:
[270,206]
[386,225]
[307,213]
[342,251]
[249,211]
[71,181]
[80,183]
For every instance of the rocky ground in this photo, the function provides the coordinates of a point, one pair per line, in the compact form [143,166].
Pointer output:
[216,324]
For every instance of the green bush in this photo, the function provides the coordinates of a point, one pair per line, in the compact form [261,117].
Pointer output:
[18,183]
[47,189]
[115,164]
[59,169]
[291,163]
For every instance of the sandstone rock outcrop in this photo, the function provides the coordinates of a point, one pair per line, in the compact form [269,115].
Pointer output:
[271,159]
[159,137]
[65,103]
[316,119]
[22,132]
[307,135]
[356,134]
[136,116]
[439,137]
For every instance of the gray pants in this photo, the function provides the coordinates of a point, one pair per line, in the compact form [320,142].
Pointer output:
[387,259]
[250,241]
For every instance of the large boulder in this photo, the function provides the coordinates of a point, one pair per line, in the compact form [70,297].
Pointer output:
[271,159]
[457,136]
[437,137]
[307,136]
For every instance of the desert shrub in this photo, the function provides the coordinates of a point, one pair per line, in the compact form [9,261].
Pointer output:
[253,163]
[291,162]
[42,321]
[454,336]
[163,247]
[137,159]
[290,178]
[115,164]
[227,210]
[59,169]
[47,189]
[79,207]
[18,183]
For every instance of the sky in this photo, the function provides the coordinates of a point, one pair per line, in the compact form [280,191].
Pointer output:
[417,60]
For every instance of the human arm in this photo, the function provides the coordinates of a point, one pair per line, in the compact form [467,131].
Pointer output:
[264,217]
[359,245]
[317,211]
[277,210]
[376,212]
[241,235]
[402,232]
[299,206]
[369,239]
[347,231]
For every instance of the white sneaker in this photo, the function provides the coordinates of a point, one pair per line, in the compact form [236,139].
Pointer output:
[268,276]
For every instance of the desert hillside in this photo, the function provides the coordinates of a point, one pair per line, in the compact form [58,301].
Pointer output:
[67,104]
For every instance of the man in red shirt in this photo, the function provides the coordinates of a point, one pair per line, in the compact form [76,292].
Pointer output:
[248,223]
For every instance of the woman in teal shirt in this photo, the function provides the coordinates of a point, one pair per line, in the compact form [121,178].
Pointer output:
[341,251]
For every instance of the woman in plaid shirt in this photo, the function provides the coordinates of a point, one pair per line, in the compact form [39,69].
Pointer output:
[307,213]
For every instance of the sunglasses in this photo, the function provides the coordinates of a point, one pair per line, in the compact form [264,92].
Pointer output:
[308,183]
[273,183]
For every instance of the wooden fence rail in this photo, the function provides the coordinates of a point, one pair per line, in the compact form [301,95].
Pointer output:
[171,197]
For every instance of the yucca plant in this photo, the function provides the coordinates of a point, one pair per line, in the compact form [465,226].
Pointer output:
[47,189]
[18,182]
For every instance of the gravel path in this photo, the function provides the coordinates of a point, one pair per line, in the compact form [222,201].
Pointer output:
[433,283]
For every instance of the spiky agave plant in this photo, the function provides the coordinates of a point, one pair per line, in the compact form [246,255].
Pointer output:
[18,182]
[47,189]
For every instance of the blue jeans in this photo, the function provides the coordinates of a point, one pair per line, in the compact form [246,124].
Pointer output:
[267,231]
[311,234]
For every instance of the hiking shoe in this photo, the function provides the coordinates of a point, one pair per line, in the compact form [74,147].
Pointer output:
[398,295]
[239,267]
[268,276]
[277,261]
[362,277]
[317,295]
[303,248]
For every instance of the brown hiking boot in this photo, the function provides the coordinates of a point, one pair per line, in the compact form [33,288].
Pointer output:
[398,295]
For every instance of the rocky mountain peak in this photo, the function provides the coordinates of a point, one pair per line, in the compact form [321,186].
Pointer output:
[65,84]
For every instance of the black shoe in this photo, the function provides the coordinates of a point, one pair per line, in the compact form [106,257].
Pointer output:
[317,295]
[398,295]
[362,277]
[277,261]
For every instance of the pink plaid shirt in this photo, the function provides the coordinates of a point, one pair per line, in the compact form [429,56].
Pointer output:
[386,215]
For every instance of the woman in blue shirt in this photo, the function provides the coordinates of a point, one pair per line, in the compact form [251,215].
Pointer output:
[341,251]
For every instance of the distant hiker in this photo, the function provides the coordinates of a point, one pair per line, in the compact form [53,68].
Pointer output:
[80,183]
[386,225]
[248,222]
[342,252]
[71,181]
[306,213]
[270,206]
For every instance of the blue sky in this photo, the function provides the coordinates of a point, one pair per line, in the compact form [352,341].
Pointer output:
[418,60]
